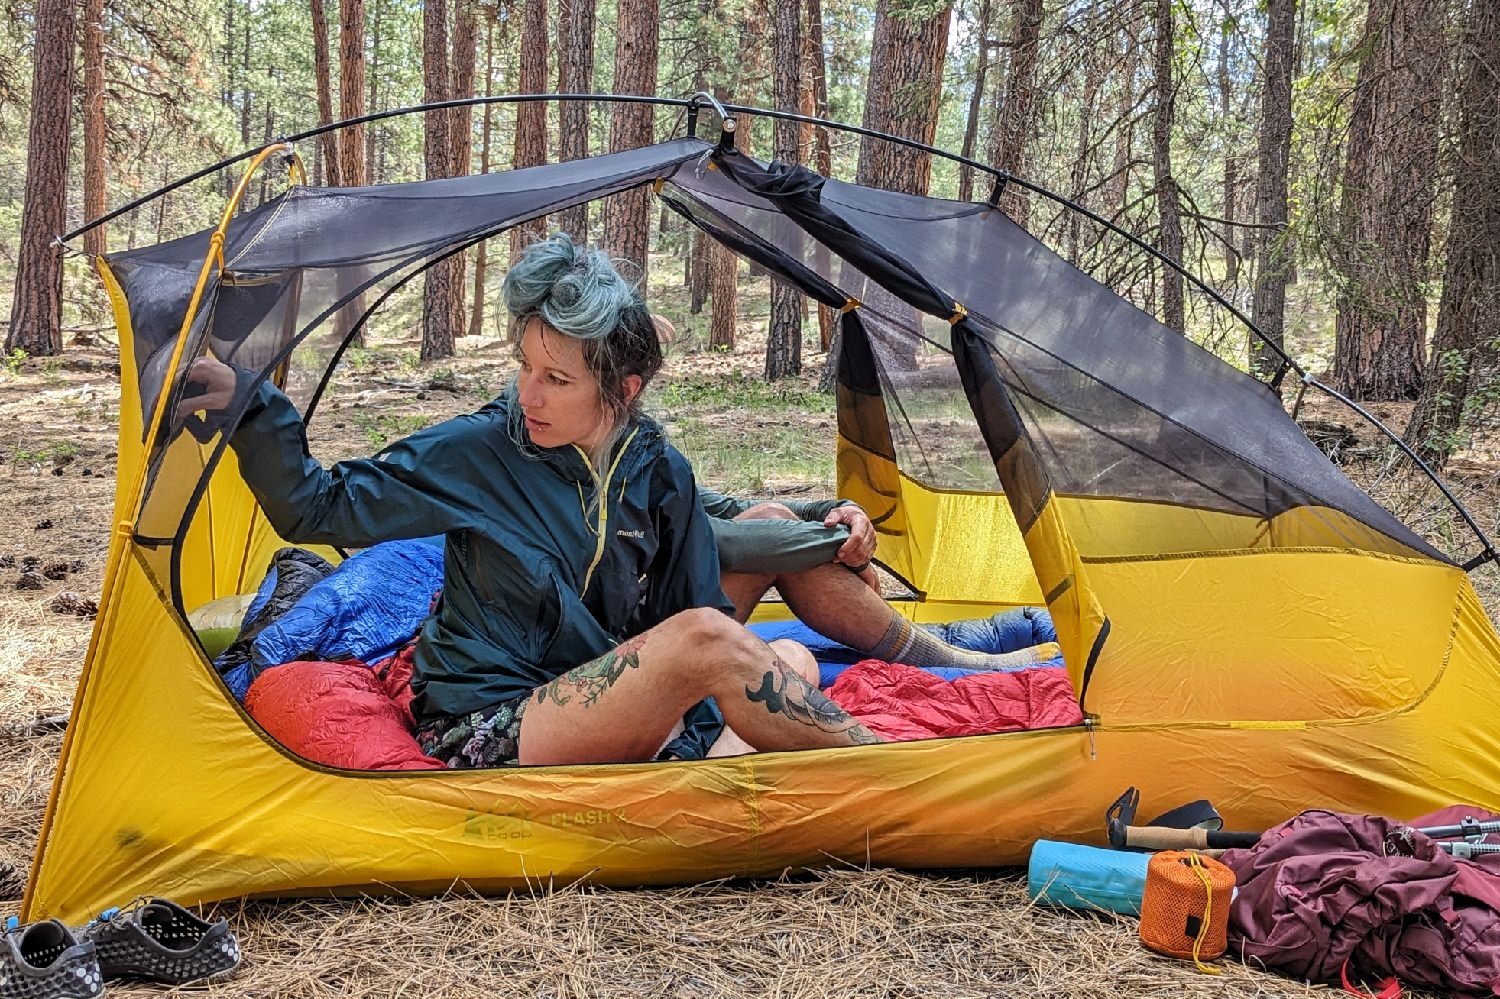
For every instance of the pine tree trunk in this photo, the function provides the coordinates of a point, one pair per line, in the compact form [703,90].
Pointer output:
[626,228]
[976,103]
[94,125]
[1272,258]
[245,92]
[1169,240]
[465,44]
[1465,359]
[1231,163]
[906,79]
[352,91]
[372,101]
[1079,191]
[531,118]
[482,252]
[438,333]
[784,341]
[1117,191]
[1017,118]
[328,142]
[822,146]
[698,270]
[352,142]
[36,309]
[723,287]
[575,75]
[1386,213]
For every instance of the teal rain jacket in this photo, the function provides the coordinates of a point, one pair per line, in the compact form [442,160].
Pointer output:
[538,576]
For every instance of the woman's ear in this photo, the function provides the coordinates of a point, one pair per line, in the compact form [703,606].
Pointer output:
[632,386]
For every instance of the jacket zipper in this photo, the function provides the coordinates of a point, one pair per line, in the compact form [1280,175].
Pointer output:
[603,505]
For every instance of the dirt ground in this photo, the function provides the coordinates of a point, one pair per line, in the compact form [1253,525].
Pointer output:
[840,932]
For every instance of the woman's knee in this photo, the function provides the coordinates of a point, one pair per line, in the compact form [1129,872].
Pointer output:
[709,635]
[797,656]
[767,511]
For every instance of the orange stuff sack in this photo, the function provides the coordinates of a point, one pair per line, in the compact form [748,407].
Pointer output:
[1185,909]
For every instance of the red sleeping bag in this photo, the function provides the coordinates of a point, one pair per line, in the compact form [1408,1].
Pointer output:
[347,715]
[342,714]
[903,703]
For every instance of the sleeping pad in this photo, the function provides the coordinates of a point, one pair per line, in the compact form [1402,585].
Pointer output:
[1005,631]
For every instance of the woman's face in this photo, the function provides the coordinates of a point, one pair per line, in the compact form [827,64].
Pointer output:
[557,393]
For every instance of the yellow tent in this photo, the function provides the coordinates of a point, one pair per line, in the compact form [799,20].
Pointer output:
[1241,622]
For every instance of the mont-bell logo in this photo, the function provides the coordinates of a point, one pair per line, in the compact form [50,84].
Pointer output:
[630,534]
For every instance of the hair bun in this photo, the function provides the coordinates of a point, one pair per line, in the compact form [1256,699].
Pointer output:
[575,290]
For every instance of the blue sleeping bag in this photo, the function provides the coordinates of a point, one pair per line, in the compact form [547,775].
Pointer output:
[369,607]
[1005,631]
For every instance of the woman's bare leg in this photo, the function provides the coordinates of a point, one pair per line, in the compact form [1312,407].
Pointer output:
[794,655]
[621,706]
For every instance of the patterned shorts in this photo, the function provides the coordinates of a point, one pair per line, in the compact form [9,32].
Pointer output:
[489,738]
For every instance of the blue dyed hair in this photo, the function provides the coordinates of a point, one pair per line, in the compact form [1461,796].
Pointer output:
[578,292]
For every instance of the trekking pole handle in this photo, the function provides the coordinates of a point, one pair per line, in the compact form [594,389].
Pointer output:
[1163,838]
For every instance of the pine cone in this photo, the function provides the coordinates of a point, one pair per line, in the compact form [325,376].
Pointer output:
[68,602]
[29,581]
[57,570]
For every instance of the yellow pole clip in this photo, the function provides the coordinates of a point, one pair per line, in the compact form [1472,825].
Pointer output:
[850,305]
[959,313]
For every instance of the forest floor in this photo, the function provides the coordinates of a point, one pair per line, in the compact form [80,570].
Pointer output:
[841,932]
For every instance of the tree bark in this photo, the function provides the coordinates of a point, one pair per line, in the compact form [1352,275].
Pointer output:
[36,309]
[438,332]
[1386,212]
[461,133]
[373,173]
[626,227]
[1231,161]
[1017,116]
[1169,240]
[906,74]
[784,342]
[723,287]
[482,252]
[94,188]
[1079,191]
[1268,312]
[822,156]
[352,91]
[328,142]
[352,165]
[976,103]
[1463,373]
[575,75]
[531,119]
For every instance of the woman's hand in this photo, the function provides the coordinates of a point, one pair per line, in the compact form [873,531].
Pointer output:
[217,382]
[857,551]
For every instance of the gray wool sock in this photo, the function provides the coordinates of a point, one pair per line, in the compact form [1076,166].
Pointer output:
[904,642]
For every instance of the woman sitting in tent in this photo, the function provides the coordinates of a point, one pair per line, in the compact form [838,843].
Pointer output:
[581,614]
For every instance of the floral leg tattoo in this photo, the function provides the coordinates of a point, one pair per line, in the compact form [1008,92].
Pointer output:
[592,679]
[805,704]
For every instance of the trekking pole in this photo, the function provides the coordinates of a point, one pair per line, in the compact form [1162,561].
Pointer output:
[1464,850]
[1124,836]
[1470,829]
